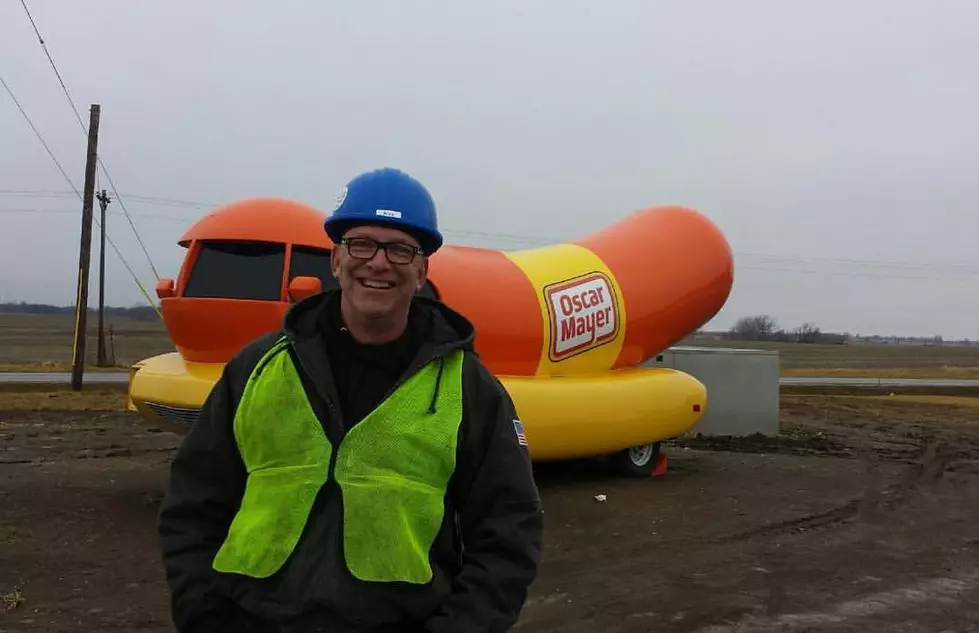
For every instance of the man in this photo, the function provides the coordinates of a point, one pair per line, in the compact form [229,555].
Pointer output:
[358,471]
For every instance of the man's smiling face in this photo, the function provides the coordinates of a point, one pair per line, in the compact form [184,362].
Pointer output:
[376,288]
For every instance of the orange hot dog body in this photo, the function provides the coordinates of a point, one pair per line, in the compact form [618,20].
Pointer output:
[495,294]
[675,269]
[662,273]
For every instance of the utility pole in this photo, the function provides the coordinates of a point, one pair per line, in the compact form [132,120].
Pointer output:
[104,201]
[85,251]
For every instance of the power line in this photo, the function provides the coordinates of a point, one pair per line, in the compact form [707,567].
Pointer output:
[78,117]
[857,273]
[849,261]
[781,259]
[528,239]
[538,241]
[534,240]
[51,60]
[75,189]
[70,212]
[126,212]
[157,200]
[40,138]
[962,272]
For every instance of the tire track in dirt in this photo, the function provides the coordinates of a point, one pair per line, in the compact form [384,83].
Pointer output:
[108,452]
[927,468]
[883,493]
[938,593]
[69,438]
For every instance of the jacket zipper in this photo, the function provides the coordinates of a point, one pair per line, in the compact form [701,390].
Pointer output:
[335,414]
[329,402]
[331,469]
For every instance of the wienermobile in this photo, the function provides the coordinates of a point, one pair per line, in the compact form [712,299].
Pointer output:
[567,327]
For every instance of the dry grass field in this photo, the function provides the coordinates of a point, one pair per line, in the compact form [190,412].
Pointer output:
[44,342]
[864,360]
[42,397]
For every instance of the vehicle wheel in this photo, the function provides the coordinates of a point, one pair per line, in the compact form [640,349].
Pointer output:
[636,461]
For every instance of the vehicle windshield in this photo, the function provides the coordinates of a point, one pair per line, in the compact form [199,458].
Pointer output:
[237,270]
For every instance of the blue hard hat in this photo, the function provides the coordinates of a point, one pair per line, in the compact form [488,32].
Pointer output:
[387,197]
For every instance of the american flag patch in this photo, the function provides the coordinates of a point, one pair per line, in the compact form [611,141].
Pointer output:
[521,438]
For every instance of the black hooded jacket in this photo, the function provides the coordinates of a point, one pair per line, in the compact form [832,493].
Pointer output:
[485,556]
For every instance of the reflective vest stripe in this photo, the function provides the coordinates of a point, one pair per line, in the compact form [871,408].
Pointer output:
[392,468]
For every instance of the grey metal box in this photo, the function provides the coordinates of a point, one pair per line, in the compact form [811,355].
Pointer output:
[742,387]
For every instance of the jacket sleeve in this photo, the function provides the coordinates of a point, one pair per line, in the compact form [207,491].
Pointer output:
[207,481]
[500,517]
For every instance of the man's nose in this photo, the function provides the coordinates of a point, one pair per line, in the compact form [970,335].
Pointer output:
[379,260]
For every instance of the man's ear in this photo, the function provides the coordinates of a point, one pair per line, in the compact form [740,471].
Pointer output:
[422,274]
[335,261]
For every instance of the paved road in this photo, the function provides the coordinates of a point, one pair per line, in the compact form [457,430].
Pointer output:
[829,381]
[52,378]
[835,381]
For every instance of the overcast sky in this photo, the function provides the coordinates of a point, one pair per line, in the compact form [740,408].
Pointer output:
[835,143]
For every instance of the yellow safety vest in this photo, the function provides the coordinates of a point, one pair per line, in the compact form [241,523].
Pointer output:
[392,468]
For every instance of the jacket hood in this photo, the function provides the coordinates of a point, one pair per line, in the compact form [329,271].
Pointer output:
[449,331]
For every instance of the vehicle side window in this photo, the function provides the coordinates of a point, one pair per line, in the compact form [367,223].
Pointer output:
[312,262]
[237,270]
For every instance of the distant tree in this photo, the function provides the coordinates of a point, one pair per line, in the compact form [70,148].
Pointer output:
[807,333]
[138,312]
[834,338]
[755,328]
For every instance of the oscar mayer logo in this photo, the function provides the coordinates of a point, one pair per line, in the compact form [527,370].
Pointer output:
[584,314]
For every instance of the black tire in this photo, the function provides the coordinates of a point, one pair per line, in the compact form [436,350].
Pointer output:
[637,461]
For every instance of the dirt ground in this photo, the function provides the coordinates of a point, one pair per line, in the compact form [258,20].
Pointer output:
[860,517]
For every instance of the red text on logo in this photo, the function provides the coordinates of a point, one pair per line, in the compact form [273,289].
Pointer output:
[583,313]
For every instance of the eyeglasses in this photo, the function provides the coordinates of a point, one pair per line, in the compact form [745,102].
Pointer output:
[366,248]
